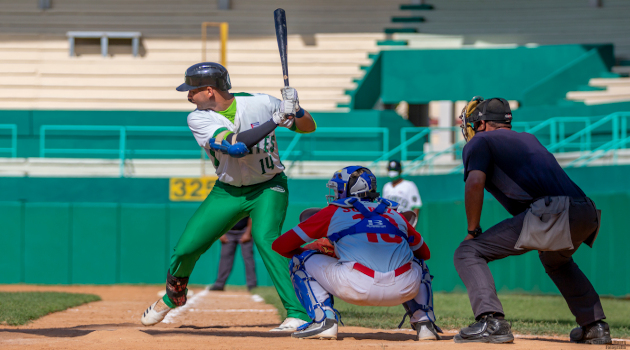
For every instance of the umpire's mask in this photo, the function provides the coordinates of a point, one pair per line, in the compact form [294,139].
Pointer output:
[494,109]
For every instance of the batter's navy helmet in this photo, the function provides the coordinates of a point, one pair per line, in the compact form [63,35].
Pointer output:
[206,74]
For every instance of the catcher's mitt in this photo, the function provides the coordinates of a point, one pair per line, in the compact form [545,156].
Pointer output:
[323,245]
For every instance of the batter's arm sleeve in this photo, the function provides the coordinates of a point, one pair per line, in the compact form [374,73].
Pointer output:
[252,136]
[290,243]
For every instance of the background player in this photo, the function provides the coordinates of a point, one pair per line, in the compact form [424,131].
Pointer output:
[237,132]
[378,258]
[241,234]
[402,191]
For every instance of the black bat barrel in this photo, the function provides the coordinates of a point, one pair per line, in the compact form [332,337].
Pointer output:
[280,20]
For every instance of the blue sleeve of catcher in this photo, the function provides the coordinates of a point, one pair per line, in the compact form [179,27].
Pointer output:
[237,150]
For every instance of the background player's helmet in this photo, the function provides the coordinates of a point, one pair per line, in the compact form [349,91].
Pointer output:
[494,109]
[394,169]
[352,181]
[206,74]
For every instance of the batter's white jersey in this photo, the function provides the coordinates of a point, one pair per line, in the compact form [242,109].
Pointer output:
[263,163]
[405,194]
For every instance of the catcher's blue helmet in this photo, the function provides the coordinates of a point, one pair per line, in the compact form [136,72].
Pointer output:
[352,182]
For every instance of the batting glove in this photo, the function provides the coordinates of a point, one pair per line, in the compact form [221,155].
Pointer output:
[282,119]
[290,94]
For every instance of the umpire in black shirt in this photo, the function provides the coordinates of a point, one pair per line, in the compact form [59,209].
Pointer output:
[550,212]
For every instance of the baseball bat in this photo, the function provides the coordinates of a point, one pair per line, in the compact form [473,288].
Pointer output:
[280,20]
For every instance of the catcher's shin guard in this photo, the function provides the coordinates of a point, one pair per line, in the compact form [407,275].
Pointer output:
[422,305]
[302,283]
[176,289]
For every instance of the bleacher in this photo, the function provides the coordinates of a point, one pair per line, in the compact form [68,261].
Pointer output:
[41,75]
[331,46]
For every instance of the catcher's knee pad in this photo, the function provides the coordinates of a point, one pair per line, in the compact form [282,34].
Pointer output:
[316,309]
[176,288]
[425,304]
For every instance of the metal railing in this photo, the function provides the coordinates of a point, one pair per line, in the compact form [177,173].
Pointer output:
[13,149]
[348,133]
[122,151]
[558,135]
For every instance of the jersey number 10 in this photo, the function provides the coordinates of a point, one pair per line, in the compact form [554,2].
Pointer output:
[268,162]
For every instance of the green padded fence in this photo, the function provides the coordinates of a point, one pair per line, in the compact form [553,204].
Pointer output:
[103,231]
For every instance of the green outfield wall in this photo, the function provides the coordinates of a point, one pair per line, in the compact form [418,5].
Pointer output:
[105,231]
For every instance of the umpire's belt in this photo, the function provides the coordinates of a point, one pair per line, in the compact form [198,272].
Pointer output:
[369,272]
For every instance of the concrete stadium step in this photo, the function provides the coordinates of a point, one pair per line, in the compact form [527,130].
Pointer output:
[45,77]
[136,105]
[302,82]
[166,168]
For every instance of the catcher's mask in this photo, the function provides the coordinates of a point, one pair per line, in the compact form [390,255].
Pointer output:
[494,109]
[347,182]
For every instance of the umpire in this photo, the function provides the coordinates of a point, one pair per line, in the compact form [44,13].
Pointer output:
[550,212]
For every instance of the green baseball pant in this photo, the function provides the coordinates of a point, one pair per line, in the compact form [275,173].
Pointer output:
[266,204]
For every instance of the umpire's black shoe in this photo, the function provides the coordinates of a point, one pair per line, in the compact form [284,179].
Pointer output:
[594,333]
[487,330]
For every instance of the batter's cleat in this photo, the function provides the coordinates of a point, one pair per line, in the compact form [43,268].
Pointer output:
[594,333]
[290,324]
[326,330]
[487,330]
[426,330]
[155,313]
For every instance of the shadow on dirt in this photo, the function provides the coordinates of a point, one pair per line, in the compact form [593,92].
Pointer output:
[204,331]
[270,325]
[72,332]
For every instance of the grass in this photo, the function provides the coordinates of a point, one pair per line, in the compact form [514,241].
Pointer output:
[18,308]
[529,314]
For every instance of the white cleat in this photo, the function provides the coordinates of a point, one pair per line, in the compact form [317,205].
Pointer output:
[290,324]
[155,313]
[326,330]
[426,331]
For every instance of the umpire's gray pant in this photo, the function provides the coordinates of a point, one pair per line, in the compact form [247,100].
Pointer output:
[472,258]
[227,260]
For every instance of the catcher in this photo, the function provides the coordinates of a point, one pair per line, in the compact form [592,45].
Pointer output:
[366,253]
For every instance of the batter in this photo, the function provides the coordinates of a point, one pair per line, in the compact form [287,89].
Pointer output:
[237,133]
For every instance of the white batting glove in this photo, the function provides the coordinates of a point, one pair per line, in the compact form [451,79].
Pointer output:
[282,119]
[290,94]
[288,107]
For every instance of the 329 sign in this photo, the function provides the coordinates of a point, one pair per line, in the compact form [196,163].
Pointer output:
[190,189]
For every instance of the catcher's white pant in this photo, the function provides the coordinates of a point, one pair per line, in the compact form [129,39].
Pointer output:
[385,289]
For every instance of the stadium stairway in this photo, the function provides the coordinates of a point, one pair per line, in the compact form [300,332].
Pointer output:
[603,90]
[39,74]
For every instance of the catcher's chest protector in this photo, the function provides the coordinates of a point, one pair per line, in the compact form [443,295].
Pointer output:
[372,222]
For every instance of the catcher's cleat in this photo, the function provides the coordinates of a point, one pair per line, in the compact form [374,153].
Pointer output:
[290,324]
[487,330]
[326,329]
[155,313]
[426,330]
[594,333]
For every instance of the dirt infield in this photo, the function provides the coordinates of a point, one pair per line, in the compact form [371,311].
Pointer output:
[215,320]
